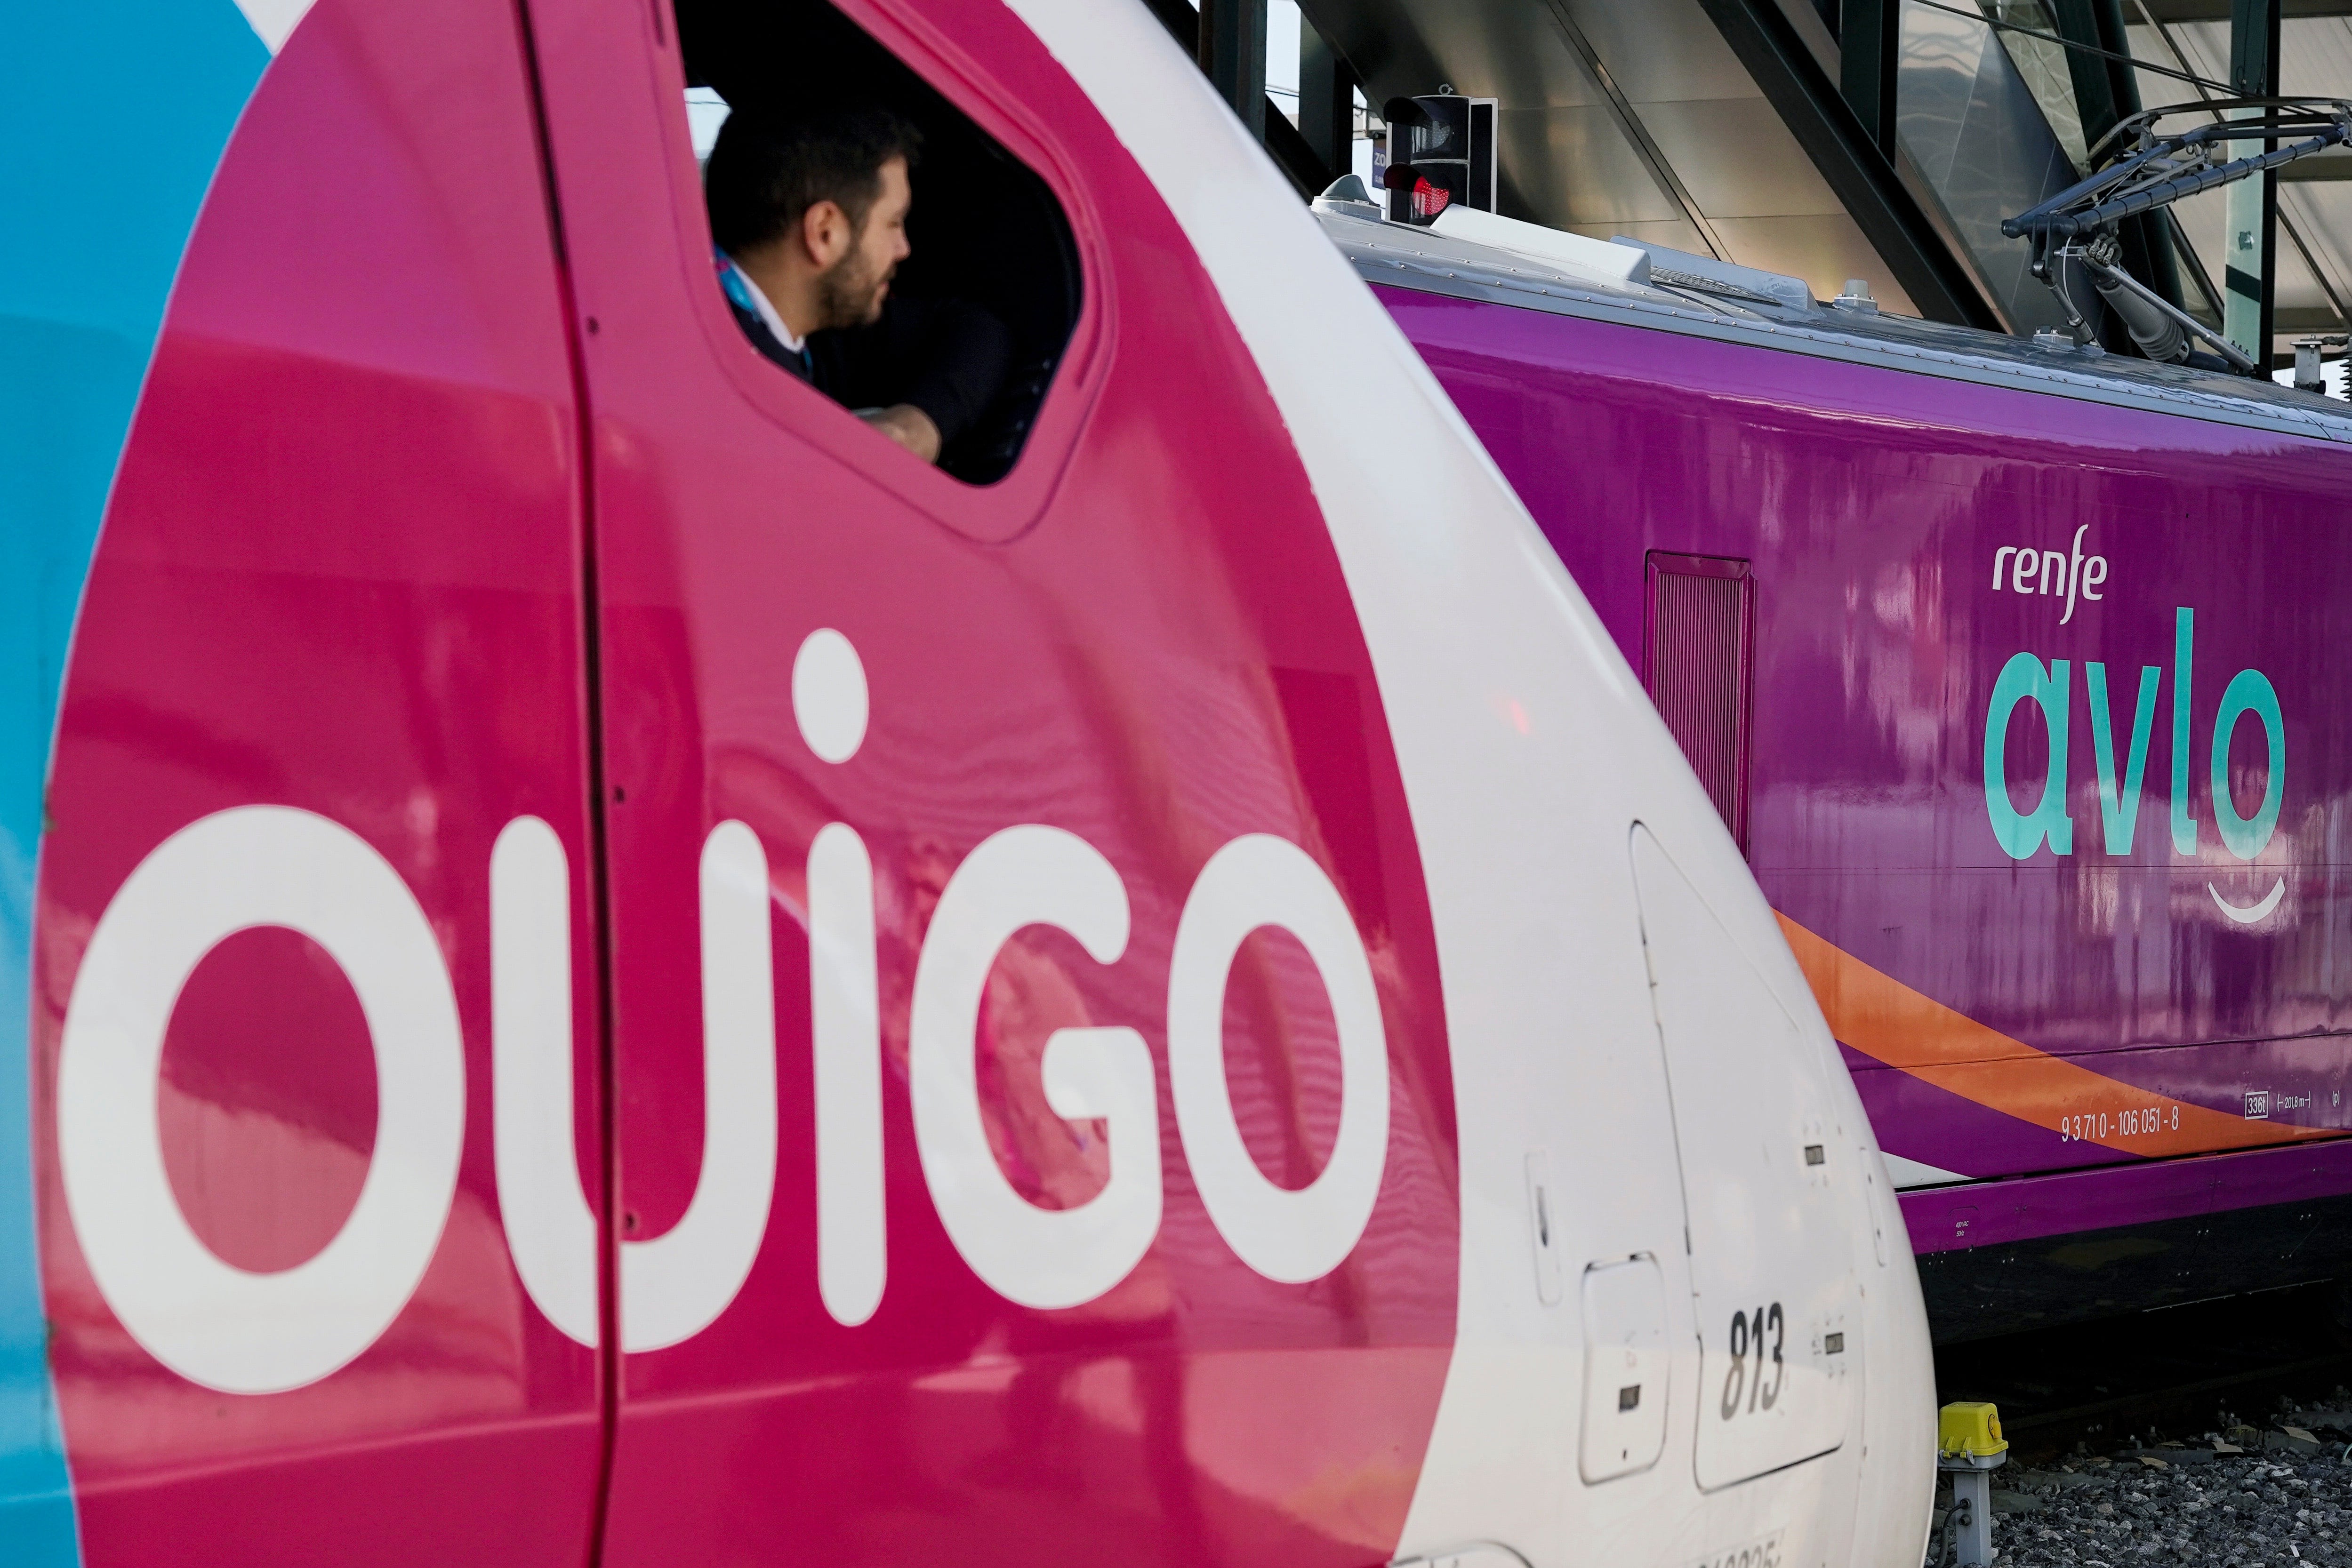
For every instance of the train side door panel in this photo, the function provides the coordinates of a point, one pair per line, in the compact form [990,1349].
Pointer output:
[1771,1266]
[330,651]
[1006,769]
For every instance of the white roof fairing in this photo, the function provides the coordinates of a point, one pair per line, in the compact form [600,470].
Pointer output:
[1408,258]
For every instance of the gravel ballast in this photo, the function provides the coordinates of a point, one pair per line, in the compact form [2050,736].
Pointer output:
[2238,1498]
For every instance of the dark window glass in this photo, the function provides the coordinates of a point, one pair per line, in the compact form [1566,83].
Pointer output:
[984,228]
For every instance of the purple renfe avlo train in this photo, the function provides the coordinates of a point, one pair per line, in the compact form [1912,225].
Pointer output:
[2019,674]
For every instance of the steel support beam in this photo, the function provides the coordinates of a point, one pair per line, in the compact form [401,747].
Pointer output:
[2105,91]
[2209,307]
[2218,10]
[1291,152]
[1232,53]
[2324,167]
[1858,172]
[1182,20]
[1282,140]
[1629,121]
[1870,40]
[2320,166]
[1326,101]
[2250,272]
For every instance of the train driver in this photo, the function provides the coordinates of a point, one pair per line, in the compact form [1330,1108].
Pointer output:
[808,209]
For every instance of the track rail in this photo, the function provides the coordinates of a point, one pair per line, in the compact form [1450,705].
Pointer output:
[2177,1372]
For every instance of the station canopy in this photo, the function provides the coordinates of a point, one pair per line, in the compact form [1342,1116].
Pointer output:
[1702,125]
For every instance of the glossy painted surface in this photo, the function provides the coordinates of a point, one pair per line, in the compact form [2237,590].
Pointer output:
[1992,1214]
[339,573]
[1526,752]
[2137,992]
[1198,1409]
[77,322]
[1113,1047]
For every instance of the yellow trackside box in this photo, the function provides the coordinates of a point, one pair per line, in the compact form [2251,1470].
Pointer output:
[1971,1426]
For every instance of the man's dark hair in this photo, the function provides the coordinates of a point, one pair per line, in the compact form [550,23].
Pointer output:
[768,169]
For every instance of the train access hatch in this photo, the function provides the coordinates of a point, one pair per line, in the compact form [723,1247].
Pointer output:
[1762,1159]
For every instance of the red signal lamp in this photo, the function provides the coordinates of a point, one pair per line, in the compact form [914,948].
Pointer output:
[1428,197]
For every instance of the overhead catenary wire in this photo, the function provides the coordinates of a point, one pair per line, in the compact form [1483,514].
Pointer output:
[2060,214]
[2204,85]
[2293,231]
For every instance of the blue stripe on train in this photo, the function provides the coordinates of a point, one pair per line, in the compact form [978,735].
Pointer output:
[112,118]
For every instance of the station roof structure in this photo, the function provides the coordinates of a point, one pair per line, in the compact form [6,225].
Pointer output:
[2314,259]
[1631,117]
[1885,144]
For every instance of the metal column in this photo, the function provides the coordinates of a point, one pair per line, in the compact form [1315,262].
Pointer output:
[1196,35]
[2249,279]
[1856,168]
[1183,22]
[1232,53]
[2106,91]
[1870,37]
[1327,100]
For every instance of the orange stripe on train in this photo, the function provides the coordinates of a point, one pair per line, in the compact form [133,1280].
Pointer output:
[1883,1018]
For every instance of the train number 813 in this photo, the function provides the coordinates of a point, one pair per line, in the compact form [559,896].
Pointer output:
[1744,1386]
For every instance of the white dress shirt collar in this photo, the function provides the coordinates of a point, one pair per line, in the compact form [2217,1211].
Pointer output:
[759,302]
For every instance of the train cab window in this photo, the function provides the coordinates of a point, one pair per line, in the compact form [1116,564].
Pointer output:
[978,312]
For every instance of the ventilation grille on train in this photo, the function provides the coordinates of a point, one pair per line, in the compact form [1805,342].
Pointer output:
[1673,279]
[1696,655]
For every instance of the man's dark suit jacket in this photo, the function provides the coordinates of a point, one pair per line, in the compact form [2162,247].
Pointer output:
[946,356]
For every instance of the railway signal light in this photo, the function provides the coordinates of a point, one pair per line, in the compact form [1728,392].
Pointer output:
[1441,154]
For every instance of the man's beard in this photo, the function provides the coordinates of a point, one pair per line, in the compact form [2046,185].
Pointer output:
[849,294]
